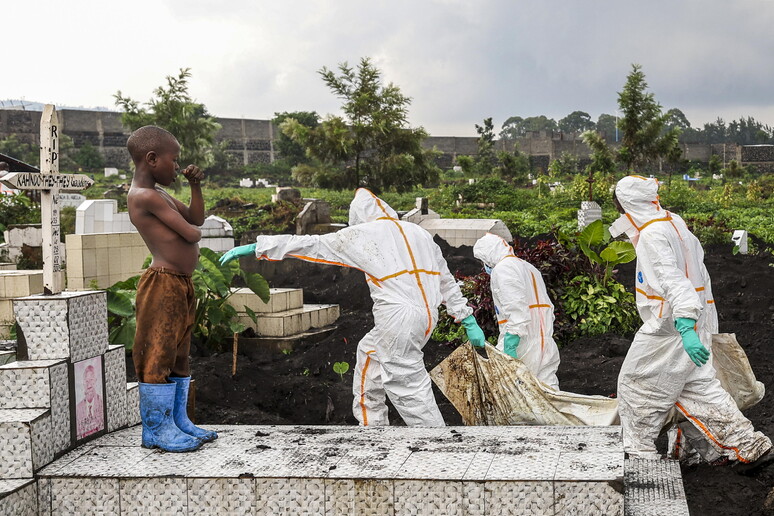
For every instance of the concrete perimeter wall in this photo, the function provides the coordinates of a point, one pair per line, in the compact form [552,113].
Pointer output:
[252,141]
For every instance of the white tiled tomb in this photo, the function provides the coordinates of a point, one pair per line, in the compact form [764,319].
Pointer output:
[349,470]
[68,325]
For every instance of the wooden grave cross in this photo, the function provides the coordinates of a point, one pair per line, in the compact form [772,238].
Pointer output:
[50,182]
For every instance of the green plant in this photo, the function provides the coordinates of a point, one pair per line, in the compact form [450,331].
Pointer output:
[340,368]
[617,252]
[17,209]
[121,312]
[216,319]
[598,307]
[447,331]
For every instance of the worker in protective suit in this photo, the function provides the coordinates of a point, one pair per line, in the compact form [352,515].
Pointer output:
[525,314]
[408,279]
[668,365]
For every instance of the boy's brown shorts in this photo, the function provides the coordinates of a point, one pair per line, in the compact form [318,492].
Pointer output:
[166,307]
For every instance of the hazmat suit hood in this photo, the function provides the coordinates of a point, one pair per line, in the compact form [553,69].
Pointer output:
[638,197]
[491,249]
[367,207]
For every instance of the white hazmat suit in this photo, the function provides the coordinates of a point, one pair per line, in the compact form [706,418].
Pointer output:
[522,307]
[408,279]
[657,375]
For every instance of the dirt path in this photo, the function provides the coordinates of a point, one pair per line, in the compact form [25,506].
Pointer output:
[301,388]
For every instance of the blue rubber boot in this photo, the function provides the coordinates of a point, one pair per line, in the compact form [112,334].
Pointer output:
[181,414]
[158,425]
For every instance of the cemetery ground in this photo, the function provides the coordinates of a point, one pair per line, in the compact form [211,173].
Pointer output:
[299,385]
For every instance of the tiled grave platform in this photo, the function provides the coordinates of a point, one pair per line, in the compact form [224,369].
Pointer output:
[351,470]
[285,314]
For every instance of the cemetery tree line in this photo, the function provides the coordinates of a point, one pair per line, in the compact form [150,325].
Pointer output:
[371,143]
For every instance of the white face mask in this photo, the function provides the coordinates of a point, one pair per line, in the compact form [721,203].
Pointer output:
[623,225]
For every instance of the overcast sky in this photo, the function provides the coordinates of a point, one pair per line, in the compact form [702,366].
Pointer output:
[459,60]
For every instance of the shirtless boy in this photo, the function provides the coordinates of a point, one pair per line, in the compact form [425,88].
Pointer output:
[165,294]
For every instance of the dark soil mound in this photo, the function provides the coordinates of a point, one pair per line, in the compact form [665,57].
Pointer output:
[300,387]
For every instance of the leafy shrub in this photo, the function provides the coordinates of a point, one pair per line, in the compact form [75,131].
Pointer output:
[479,295]
[596,235]
[17,209]
[708,228]
[598,307]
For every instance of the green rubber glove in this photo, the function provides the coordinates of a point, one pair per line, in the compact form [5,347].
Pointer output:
[474,332]
[693,346]
[242,250]
[510,343]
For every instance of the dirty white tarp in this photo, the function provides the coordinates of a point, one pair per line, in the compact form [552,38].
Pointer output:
[491,388]
[500,390]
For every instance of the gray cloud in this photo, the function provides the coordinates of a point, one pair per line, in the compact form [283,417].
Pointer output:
[460,61]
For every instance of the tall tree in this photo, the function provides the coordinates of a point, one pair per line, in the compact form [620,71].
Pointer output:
[517,127]
[291,151]
[676,118]
[606,125]
[576,122]
[173,109]
[89,158]
[645,136]
[512,128]
[485,160]
[748,131]
[602,158]
[372,143]
[23,151]
[715,132]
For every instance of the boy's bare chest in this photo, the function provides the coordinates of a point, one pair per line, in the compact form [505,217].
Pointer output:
[168,199]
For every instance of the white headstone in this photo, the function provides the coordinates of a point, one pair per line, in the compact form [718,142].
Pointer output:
[109,171]
[589,212]
[71,199]
[50,182]
[740,239]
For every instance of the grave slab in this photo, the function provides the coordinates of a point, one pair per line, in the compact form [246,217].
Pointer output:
[65,325]
[132,415]
[653,488]
[40,384]
[19,497]
[378,470]
[26,445]
[588,213]
[280,300]
[292,322]
[335,470]
[115,387]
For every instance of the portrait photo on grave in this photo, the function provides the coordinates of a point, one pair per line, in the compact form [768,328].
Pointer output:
[89,397]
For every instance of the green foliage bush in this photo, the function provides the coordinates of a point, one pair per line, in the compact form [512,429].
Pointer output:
[598,307]
[17,209]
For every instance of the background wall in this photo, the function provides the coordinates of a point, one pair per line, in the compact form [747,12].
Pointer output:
[251,141]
